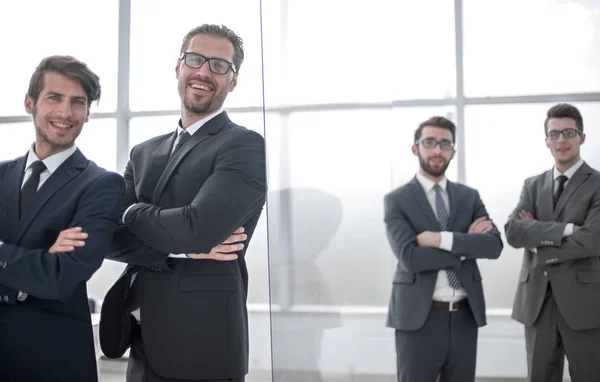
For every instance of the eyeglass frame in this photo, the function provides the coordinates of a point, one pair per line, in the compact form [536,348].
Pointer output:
[207,59]
[562,132]
[437,143]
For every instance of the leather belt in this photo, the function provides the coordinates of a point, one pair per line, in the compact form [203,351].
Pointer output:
[451,306]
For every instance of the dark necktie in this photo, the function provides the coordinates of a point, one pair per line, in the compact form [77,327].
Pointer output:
[31,185]
[443,217]
[561,187]
[183,137]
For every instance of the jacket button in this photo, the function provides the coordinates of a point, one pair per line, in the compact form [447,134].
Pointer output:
[545,273]
[6,298]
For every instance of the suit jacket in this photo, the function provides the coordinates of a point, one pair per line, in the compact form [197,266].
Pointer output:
[407,214]
[193,312]
[570,264]
[48,337]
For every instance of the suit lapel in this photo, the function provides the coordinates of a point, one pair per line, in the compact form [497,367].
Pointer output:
[422,201]
[70,168]
[11,194]
[211,128]
[580,176]
[453,202]
[160,160]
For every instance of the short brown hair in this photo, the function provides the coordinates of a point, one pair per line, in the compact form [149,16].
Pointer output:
[69,67]
[564,110]
[441,122]
[218,31]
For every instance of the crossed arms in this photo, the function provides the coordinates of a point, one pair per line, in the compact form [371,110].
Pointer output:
[554,242]
[231,195]
[422,252]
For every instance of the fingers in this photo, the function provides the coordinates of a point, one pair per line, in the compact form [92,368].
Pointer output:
[213,256]
[481,225]
[228,248]
[236,238]
[59,248]
[240,230]
[72,234]
[525,215]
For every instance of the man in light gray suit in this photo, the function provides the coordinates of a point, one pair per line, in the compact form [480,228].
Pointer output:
[437,229]
[557,221]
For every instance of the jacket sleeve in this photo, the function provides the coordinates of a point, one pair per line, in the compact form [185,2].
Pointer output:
[46,275]
[403,240]
[230,196]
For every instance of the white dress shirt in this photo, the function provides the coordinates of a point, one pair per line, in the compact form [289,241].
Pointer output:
[443,291]
[52,163]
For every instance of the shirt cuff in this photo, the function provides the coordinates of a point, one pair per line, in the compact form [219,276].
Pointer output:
[568,230]
[178,255]
[446,240]
[125,213]
[22,296]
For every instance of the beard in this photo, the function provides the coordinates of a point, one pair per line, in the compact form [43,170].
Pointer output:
[433,171]
[45,137]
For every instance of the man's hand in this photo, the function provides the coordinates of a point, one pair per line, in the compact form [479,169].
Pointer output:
[429,239]
[222,252]
[525,215]
[68,240]
[481,225]
[576,228]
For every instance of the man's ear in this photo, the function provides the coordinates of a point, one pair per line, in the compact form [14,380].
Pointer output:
[28,104]
[177,68]
[87,115]
[233,82]
[581,138]
[415,150]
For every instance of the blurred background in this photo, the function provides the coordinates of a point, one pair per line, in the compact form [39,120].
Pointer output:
[337,88]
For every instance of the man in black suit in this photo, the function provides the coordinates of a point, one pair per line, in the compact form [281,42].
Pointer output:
[45,326]
[187,192]
[437,230]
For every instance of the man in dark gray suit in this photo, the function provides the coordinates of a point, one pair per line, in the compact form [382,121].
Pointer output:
[437,230]
[557,221]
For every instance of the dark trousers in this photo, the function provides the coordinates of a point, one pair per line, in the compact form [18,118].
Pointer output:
[138,369]
[550,339]
[445,348]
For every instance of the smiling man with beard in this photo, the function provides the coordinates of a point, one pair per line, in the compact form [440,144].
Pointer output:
[437,230]
[193,198]
[557,223]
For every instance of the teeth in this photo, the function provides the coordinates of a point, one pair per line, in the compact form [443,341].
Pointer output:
[61,125]
[201,87]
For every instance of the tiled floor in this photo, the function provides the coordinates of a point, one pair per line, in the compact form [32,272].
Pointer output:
[114,371]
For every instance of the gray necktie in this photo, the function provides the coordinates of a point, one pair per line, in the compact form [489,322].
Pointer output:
[562,179]
[183,137]
[443,216]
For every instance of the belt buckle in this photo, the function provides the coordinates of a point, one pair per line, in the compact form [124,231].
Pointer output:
[451,307]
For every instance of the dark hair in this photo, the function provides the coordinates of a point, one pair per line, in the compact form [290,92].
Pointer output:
[564,110]
[218,31]
[441,122]
[69,67]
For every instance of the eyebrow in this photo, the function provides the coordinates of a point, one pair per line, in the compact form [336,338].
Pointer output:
[78,98]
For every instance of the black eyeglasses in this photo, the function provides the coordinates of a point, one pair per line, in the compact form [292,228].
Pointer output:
[216,65]
[430,143]
[567,133]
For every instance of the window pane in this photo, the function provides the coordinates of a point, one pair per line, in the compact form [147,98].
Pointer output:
[502,152]
[97,141]
[94,40]
[548,46]
[375,52]
[156,35]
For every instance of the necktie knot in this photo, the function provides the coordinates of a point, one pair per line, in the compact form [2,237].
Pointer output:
[37,167]
[562,179]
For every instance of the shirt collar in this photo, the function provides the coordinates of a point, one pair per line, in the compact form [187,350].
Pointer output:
[196,126]
[570,172]
[428,184]
[53,161]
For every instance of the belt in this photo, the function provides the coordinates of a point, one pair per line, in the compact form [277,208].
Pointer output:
[450,306]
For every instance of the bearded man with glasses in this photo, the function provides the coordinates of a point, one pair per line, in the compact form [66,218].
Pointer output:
[557,222]
[437,229]
[193,199]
